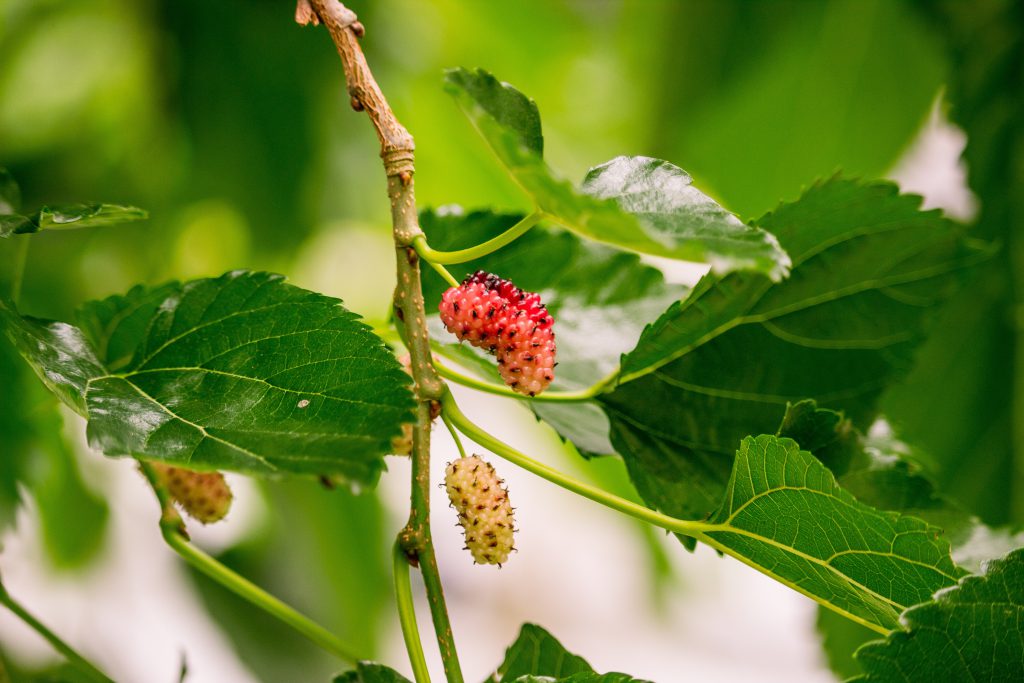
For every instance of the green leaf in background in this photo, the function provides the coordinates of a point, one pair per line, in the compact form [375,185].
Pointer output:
[817,86]
[59,217]
[241,372]
[368,672]
[15,431]
[36,458]
[509,108]
[537,656]
[73,517]
[656,210]
[840,639]
[10,193]
[785,513]
[963,402]
[347,582]
[344,584]
[869,268]
[70,216]
[972,632]
[601,299]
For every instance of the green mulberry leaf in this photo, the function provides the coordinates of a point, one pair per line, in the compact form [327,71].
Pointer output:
[242,372]
[785,514]
[536,656]
[870,271]
[635,203]
[971,632]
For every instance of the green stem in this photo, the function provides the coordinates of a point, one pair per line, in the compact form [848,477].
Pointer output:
[547,397]
[80,662]
[407,614]
[483,249]
[699,530]
[459,419]
[173,530]
[455,434]
[20,262]
[397,153]
[443,272]
[418,544]
[259,597]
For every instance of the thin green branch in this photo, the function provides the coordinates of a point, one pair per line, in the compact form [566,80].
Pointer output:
[450,408]
[547,397]
[455,434]
[78,661]
[397,153]
[407,614]
[20,262]
[433,256]
[443,272]
[173,530]
[418,544]
[698,530]
[259,597]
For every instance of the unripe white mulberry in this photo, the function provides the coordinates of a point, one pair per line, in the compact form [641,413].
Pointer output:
[485,513]
[204,496]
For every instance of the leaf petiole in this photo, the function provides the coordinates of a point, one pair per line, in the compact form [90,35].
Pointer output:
[700,531]
[688,528]
[173,532]
[433,256]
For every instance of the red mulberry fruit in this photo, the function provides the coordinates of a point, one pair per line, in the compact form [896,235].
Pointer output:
[492,313]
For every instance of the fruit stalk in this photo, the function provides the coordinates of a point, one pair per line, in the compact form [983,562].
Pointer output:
[397,153]
[172,527]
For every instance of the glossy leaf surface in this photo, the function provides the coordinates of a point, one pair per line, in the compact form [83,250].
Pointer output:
[241,372]
[635,203]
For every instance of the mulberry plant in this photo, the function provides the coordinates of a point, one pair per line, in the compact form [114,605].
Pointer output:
[747,409]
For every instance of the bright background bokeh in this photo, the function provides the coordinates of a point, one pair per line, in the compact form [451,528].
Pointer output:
[231,125]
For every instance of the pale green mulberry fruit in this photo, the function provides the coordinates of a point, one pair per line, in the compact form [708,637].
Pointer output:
[485,513]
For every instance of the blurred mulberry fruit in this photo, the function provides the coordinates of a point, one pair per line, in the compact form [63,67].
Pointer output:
[204,496]
[492,313]
[485,513]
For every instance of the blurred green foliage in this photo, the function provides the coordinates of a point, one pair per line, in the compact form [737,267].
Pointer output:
[231,125]
[964,403]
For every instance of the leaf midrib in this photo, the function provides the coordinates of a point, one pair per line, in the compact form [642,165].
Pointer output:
[200,428]
[127,377]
